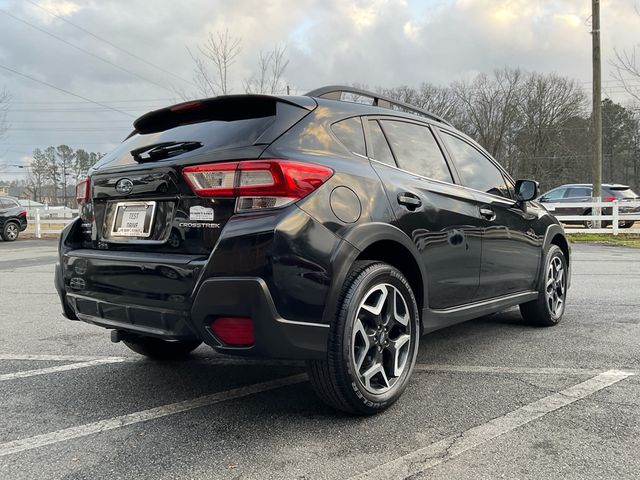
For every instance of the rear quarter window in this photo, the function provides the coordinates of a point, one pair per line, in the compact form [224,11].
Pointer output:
[351,135]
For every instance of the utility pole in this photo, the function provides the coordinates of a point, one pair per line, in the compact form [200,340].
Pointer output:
[596,164]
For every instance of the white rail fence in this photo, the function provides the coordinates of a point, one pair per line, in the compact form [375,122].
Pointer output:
[614,218]
[47,224]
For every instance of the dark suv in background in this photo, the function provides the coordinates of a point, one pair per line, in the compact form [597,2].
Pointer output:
[310,228]
[13,218]
[581,192]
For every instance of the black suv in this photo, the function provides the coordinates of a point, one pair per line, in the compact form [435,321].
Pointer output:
[306,227]
[582,192]
[13,218]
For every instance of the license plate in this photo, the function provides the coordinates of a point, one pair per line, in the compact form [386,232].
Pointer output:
[133,219]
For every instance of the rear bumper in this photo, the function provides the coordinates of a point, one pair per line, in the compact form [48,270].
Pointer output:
[275,336]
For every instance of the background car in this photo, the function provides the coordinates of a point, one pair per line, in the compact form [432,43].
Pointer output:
[13,218]
[582,192]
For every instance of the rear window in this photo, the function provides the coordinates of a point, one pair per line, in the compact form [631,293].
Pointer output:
[200,127]
[213,135]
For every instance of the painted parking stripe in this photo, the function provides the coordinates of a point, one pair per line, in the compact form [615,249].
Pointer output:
[59,368]
[508,370]
[432,455]
[144,415]
[57,358]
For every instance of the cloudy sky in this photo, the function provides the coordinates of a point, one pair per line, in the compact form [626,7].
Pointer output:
[375,42]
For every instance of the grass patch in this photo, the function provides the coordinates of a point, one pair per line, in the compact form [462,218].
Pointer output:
[627,240]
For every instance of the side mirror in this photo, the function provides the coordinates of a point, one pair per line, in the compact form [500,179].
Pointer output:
[526,190]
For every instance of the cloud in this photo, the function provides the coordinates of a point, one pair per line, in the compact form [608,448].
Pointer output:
[377,42]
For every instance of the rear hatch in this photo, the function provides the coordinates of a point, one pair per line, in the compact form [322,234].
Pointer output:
[138,199]
[627,198]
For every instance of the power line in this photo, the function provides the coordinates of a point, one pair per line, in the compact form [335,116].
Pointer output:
[137,57]
[60,39]
[64,91]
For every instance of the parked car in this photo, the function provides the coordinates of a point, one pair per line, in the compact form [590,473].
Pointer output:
[316,229]
[13,218]
[582,192]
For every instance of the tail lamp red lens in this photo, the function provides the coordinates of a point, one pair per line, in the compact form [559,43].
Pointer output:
[609,199]
[257,183]
[82,190]
[234,331]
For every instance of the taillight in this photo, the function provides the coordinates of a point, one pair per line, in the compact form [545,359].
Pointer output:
[609,199]
[82,191]
[23,213]
[257,184]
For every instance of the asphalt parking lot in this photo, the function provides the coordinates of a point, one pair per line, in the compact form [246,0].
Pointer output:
[491,398]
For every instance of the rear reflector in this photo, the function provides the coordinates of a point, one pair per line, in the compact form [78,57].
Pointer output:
[257,184]
[234,331]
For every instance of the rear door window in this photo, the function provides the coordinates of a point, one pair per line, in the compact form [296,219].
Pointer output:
[476,170]
[416,150]
[576,192]
[350,134]
[380,150]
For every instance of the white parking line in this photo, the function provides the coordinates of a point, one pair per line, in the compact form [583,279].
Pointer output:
[144,415]
[432,455]
[421,367]
[59,368]
[58,358]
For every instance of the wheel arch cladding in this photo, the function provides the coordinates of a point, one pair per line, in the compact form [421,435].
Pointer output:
[398,256]
[386,243]
[559,240]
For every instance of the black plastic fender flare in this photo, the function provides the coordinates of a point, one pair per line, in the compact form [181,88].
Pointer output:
[354,242]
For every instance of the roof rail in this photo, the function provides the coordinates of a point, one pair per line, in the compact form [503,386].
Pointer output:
[334,92]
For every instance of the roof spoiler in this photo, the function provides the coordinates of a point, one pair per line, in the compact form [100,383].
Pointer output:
[224,108]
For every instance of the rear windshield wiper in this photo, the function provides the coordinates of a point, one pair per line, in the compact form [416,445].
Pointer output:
[160,151]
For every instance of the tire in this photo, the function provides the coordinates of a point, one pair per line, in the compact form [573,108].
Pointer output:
[376,332]
[548,308]
[161,349]
[627,225]
[10,231]
[587,223]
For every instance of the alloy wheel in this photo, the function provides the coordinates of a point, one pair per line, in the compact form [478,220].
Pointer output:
[11,231]
[381,338]
[555,287]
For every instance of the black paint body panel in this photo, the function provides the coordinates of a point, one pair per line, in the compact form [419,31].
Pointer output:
[285,268]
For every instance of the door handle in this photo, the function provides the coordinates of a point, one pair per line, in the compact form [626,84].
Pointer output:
[409,200]
[488,213]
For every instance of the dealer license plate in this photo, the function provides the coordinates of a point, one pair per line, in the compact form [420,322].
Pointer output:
[133,219]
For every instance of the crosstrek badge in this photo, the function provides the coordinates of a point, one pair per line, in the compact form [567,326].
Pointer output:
[199,213]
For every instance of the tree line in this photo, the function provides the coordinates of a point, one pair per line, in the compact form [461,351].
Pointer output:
[54,172]
[536,125]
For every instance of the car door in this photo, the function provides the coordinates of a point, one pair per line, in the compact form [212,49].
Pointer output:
[575,195]
[510,246]
[439,216]
[553,197]
[4,207]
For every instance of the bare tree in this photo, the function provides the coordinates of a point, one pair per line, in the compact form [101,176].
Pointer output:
[440,101]
[627,68]
[219,53]
[489,107]
[548,104]
[271,68]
